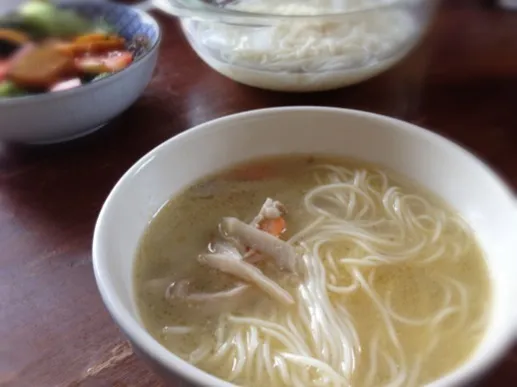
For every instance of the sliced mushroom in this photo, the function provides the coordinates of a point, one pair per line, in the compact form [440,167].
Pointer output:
[225,248]
[248,273]
[179,290]
[284,254]
[271,209]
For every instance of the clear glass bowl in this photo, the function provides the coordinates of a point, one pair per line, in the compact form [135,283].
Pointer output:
[302,46]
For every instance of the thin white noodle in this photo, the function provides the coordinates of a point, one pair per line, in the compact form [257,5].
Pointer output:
[177,330]
[316,341]
[372,368]
[239,343]
[311,362]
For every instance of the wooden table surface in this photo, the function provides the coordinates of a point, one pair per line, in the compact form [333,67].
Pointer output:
[54,330]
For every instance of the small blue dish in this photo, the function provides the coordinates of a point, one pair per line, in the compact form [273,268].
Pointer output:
[65,115]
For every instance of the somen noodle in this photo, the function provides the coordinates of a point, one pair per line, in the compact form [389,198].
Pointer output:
[375,279]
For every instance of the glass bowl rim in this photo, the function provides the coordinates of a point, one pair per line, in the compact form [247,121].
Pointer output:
[200,10]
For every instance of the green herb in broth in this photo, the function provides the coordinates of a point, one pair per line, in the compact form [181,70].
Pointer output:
[397,289]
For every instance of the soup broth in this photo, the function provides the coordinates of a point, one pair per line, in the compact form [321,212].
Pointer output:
[367,279]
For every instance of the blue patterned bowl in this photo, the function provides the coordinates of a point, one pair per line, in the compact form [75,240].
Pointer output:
[129,22]
[69,114]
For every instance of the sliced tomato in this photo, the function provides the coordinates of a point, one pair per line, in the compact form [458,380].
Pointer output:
[110,63]
[118,60]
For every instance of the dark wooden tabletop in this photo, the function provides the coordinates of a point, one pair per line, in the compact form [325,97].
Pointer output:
[54,329]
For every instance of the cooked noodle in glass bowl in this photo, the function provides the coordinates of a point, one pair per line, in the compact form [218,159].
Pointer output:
[313,45]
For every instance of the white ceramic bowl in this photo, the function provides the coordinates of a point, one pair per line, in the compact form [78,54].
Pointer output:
[69,114]
[445,168]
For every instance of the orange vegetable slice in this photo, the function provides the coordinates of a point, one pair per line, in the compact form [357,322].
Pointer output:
[274,227]
[92,45]
[93,37]
[252,173]
[39,67]
[13,36]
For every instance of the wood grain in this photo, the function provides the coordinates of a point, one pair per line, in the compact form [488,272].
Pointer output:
[54,330]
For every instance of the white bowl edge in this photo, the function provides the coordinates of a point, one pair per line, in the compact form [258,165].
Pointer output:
[164,357]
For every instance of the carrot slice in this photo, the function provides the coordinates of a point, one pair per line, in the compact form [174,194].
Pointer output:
[252,172]
[96,45]
[274,227]
[93,37]
[13,36]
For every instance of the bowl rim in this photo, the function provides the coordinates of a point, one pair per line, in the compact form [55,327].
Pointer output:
[168,360]
[209,11]
[48,96]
